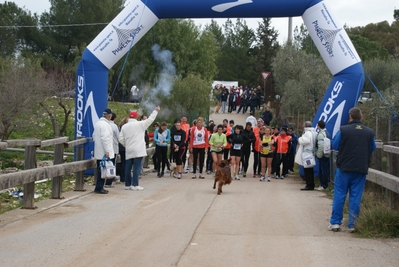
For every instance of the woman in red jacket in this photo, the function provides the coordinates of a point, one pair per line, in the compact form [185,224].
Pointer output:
[198,143]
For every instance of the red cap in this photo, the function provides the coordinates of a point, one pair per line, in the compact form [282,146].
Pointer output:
[133,114]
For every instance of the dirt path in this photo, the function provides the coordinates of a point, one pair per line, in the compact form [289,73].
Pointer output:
[184,223]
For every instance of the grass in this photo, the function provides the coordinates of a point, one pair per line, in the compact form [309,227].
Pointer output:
[376,218]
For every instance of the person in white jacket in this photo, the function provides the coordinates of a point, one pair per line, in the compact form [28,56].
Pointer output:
[131,137]
[103,145]
[308,143]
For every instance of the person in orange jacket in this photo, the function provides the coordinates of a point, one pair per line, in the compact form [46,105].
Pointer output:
[198,143]
[256,148]
[227,131]
[282,143]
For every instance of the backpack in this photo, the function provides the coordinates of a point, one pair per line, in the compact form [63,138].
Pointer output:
[327,145]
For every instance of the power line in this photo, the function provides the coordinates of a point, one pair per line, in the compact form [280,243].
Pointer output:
[50,26]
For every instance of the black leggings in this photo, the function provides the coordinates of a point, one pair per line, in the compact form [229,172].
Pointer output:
[201,152]
[257,167]
[245,158]
[161,152]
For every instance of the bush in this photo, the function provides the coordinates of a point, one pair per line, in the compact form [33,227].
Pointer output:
[376,219]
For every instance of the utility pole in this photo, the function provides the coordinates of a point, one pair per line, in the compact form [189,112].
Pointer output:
[289,30]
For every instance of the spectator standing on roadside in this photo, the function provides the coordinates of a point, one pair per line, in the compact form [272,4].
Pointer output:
[292,152]
[253,100]
[324,159]
[224,99]
[124,93]
[135,94]
[122,152]
[115,143]
[103,146]
[132,138]
[308,141]
[267,116]
[258,92]
[251,119]
[355,143]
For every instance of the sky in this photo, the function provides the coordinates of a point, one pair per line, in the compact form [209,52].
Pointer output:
[350,12]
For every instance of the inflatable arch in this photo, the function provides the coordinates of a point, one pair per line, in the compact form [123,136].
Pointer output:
[137,18]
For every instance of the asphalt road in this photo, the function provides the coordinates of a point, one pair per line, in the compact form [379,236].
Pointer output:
[185,223]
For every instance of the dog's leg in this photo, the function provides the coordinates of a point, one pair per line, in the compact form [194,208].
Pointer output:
[214,185]
[220,187]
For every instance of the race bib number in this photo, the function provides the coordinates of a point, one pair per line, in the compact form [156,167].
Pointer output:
[177,138]
[237,146]
[200,138]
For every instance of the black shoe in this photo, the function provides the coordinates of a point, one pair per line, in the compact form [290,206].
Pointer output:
[307,189]
[101,192]
[159,175]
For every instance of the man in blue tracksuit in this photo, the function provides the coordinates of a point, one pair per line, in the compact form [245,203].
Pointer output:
[355,143]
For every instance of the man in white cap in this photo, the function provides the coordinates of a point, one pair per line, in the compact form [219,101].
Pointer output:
[131,137]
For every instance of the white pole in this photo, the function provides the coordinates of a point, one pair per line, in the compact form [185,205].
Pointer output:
[290,30]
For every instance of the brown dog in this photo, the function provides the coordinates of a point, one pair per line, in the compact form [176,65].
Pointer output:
[223,175]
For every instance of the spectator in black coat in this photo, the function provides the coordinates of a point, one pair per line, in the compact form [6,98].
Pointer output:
[267,116]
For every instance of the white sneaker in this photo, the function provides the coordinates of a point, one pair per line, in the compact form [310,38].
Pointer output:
[320,188]
[268,179]
[179,176]
[128,187]
[262,178]
[334,227]
[137,188]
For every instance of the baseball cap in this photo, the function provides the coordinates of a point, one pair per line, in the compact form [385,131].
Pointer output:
[107,111]
[133,114]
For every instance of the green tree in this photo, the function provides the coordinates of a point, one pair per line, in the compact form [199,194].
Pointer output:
[193,52]
[396,14]
[21,29]
[367,49]
[265,50]
[236,60]
[190,97]
[301,79]
[382,33]
[64,43]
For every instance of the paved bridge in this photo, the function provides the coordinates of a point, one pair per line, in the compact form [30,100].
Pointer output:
[185,223]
